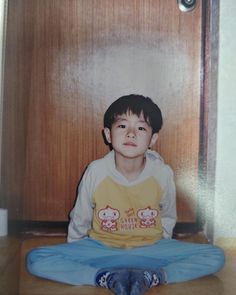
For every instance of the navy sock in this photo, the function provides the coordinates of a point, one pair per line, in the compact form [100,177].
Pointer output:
[117,280]
[129,281]
[141,280]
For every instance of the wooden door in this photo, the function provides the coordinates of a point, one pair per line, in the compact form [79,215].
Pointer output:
[66,61]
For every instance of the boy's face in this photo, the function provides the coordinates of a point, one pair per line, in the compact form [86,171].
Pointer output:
[130,135]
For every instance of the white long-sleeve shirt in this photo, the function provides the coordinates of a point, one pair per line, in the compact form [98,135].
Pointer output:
[124,213]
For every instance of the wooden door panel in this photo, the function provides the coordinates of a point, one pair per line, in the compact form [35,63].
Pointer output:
[68,60]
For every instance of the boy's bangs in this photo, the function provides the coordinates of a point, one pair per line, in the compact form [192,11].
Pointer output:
[138,111]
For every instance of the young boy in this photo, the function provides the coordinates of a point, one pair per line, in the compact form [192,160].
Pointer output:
[120,231]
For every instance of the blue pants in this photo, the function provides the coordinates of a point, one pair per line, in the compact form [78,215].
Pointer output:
[77,263]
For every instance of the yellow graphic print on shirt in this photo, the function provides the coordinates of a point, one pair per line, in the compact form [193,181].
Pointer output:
[147,217]
[108,217]
[127,216]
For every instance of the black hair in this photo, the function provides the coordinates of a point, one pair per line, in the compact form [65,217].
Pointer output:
[135,104]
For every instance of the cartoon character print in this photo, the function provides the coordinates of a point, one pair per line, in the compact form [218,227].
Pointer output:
[108,217]
[147,217]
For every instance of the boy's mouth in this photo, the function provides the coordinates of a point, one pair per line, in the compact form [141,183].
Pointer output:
[130,144]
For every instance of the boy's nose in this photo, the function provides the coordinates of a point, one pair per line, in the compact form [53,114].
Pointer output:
[131,133]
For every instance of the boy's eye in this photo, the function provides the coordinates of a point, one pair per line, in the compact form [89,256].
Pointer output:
[141,128]
[121,126]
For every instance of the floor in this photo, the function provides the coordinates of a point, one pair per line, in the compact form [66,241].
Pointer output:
[14,279]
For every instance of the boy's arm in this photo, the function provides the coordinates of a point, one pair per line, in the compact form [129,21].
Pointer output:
[81,214]
[168,206]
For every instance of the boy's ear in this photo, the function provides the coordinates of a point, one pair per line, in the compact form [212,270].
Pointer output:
[107,134]
[153,139]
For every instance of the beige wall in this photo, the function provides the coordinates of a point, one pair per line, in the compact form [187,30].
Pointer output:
[225,198]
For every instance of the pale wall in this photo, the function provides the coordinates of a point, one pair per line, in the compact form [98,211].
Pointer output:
[225,198]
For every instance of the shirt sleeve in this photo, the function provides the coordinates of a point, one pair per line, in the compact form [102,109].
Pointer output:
[81,214]
[168,206]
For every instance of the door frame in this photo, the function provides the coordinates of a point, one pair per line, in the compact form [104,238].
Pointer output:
[209,112]
[3,26]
